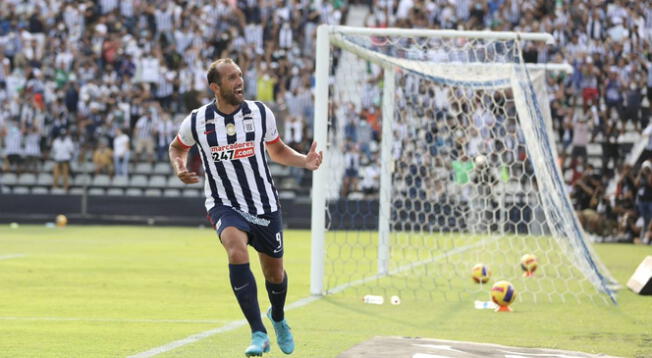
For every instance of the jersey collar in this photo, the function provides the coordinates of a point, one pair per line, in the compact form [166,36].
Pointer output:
[214,107]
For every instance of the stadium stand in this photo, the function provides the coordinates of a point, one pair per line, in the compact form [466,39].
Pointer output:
[93,67]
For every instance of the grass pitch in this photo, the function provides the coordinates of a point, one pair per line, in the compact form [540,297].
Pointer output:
[119,291]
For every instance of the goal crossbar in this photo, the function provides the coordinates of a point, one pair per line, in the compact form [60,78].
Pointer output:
[487,35]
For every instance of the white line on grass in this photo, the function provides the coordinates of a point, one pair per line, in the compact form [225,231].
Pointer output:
[13,256]
[300,303]
[199,336]
[119,320]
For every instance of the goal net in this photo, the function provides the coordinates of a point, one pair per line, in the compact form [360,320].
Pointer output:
[440,155]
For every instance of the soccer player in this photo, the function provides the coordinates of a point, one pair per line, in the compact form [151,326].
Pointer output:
[242,202]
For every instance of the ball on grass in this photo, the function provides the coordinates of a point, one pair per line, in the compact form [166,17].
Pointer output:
[61,220]
[503,293]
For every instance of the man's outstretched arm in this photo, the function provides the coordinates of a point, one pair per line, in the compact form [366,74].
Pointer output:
[282,154]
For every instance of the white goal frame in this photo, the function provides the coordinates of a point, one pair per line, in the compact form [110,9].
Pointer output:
[327,35]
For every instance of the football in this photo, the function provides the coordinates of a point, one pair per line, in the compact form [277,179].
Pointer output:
[503,294]
[61,220]
[529,264]
[480,273]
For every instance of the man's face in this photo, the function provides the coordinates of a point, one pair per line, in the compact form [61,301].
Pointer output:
[231,86]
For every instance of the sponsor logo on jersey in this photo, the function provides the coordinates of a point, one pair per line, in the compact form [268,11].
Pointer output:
[233,151]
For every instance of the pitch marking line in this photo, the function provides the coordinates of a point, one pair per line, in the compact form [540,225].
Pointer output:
[300,303]
[118,320]
[199,336]
[12,256]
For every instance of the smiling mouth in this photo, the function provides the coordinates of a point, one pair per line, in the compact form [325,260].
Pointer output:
[238,91]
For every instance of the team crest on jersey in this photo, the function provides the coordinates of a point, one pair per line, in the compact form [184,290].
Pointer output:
[230,129]
[248,125]
[233,151]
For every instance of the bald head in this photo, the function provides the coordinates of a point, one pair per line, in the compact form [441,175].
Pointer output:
[215,70]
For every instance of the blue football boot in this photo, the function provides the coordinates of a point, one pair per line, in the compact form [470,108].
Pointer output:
[259,345]
[283,334]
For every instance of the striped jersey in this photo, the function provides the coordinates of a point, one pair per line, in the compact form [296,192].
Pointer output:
[233,155]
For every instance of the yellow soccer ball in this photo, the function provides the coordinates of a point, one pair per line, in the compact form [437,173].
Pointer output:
[61,220]
[480,273]
[503,293]
[529,264]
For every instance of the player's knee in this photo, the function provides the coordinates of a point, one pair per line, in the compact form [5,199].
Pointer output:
[274,275]
[235,243]
[237,255]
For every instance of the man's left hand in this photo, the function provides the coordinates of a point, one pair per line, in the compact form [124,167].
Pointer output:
[313,159]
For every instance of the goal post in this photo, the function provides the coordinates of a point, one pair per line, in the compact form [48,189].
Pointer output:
[320,134]
[458,168]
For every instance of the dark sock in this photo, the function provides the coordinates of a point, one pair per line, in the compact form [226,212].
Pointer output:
[277,293]
[243,284]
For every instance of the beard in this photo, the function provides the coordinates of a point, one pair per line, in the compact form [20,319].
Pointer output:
[231,98]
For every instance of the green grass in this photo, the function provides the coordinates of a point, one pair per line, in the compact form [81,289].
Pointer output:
[117,291]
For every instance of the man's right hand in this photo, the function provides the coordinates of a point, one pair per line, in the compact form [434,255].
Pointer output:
[183,173]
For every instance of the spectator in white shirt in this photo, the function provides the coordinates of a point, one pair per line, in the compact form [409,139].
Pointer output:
[581,135]
[144,134]
[166,129]
[121,153]
[62,153]
[13,146]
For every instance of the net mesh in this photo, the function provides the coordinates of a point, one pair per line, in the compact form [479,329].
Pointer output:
[466,122]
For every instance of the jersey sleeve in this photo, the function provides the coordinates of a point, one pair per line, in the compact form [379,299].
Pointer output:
[271,132]
[185,133]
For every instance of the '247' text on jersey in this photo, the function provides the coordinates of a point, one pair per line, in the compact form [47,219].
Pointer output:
[232,152]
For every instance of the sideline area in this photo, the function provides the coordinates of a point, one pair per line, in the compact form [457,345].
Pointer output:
[406,347]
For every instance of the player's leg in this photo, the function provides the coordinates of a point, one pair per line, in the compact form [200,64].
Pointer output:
[276,283]
[268,241]
[232,230]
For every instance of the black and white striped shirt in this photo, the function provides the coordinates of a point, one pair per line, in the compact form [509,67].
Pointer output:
[164,20]
[14,140]
[164,85]
[127,8]
[32,144]
[232,152]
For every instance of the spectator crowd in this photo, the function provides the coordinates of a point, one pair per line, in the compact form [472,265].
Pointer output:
[604,103]
[109,80]
[114,77]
